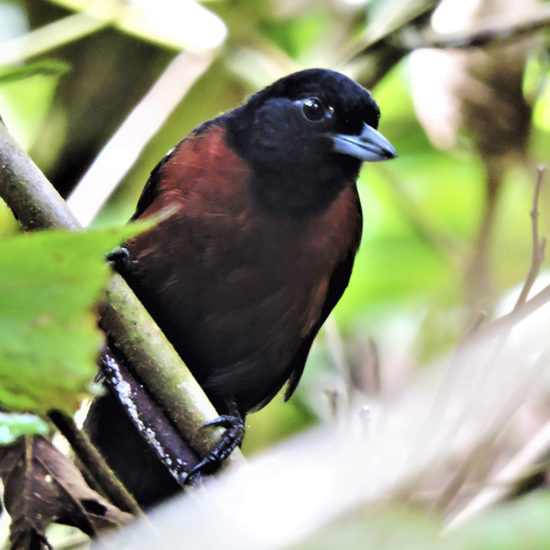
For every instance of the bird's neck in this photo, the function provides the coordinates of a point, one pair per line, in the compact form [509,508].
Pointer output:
[297,194]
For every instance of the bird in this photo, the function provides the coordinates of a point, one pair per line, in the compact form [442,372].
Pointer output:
[259,247]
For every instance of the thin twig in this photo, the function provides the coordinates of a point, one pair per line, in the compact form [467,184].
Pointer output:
[500,327]
[523,306]
[472,331]
[94,463]
[470,465]
[537,257]
[508,479]
[371,57]
[494,30]
[538,245]
[509,319]
[476,454]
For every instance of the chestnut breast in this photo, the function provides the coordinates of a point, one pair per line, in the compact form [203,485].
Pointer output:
[238,286]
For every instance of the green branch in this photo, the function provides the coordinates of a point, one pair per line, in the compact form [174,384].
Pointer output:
[37,205]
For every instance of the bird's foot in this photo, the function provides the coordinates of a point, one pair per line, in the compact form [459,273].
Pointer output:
[231,438]
[119,258]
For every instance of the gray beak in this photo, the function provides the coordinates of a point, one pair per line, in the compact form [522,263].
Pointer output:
[370,145]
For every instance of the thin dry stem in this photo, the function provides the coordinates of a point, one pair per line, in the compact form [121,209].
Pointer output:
[538,244]
[338,353]
[95,463]
[372,368]
[531,459]
[478,275]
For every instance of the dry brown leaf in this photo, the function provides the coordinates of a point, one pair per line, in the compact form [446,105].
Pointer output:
[42,486]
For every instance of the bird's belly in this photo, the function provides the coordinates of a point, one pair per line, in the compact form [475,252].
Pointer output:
[236,318]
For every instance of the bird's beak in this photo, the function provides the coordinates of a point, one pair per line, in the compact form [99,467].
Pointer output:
[370,145]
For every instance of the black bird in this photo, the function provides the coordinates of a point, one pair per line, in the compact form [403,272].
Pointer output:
[258,251]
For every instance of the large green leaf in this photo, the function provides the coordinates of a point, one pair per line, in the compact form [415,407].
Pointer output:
[49,340]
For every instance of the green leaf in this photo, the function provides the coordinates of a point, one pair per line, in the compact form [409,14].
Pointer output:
[46,67]
[49,340]
[13,426]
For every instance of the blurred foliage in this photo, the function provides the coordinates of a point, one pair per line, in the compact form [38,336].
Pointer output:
[49,340]
[410,289]
[422,211]
[519,526]
[14,425]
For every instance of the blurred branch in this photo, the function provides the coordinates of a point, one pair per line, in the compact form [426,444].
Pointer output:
[123,149]
[538,245]
[509,478]
[385,44]
[94,463]
[34,201]
[537,301]
[389,23]
[523,306]
[337,351]
[477,272]
[373,55]
[373,368]
[97,16]
[143,19]
[475,460]
[37,205]
[494,30]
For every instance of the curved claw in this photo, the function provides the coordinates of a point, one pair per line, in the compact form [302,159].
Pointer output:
[225,421]
[119,258]
[231,438]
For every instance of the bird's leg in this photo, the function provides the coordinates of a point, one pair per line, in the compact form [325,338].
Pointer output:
[231,438]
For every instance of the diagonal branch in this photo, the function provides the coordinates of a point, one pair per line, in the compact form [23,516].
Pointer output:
[493,30]
[37,205]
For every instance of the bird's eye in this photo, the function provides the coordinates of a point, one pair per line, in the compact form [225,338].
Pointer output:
[314,110]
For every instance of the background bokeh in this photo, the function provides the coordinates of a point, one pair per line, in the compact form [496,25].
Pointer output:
[98,91]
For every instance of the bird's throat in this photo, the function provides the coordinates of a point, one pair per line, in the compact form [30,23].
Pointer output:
[298,194]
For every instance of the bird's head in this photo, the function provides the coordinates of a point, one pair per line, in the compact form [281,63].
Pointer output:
[307,135]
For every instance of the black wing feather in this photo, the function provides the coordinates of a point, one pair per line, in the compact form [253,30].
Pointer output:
[338,283]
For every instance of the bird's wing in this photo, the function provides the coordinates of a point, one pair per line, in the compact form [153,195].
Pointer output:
[150,190]
[337,284]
